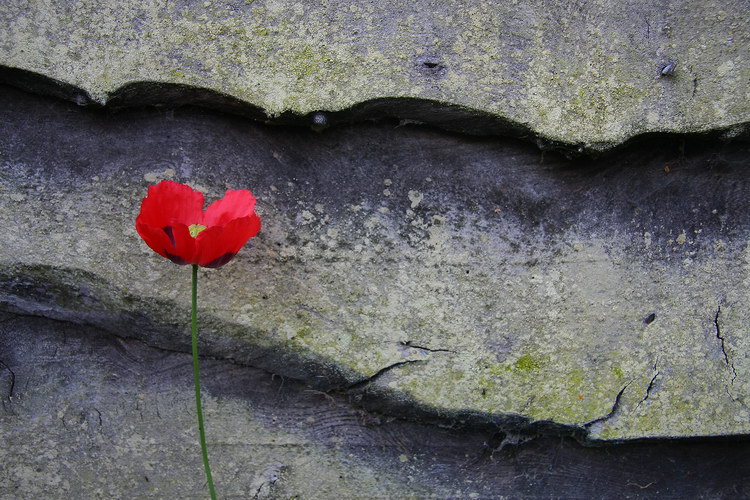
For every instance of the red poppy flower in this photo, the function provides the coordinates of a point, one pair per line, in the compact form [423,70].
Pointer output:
[173,223]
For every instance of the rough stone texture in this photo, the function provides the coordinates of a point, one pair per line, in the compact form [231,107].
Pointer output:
[589,74]
[424,274]
[89,415]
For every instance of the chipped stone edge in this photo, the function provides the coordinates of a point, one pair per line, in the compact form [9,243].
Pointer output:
[411,111]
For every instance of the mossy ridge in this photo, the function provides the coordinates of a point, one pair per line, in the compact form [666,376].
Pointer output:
[301,58]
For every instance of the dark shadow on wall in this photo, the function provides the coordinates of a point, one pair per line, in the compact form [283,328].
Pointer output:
[406,111]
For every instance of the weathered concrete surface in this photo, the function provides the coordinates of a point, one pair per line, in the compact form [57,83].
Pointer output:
[424,273]
[586,73]
[89,415]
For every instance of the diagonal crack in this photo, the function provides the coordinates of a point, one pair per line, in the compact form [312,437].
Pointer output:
[650,387]
[612,412]
[372,378]
[408,343]
[719,336]
[651,384]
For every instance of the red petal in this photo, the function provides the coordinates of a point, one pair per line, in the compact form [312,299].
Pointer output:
[169,203]
[234,204]
[184,249]
[172,242]
[217,245]
[155,237]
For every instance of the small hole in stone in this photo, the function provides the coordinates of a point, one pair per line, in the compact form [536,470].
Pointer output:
[650,318]
[265,297]
[430,64]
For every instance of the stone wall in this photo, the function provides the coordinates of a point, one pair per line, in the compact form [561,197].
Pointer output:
[440,246]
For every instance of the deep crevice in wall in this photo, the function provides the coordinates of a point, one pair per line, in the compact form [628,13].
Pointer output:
[404,110]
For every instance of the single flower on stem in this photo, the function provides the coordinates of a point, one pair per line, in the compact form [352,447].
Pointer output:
[173,224]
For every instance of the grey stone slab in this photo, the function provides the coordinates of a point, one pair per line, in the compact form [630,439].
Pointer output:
[92,415]
[425,273]
[587,74]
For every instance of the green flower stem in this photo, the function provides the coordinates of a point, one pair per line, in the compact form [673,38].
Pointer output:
[197,379]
